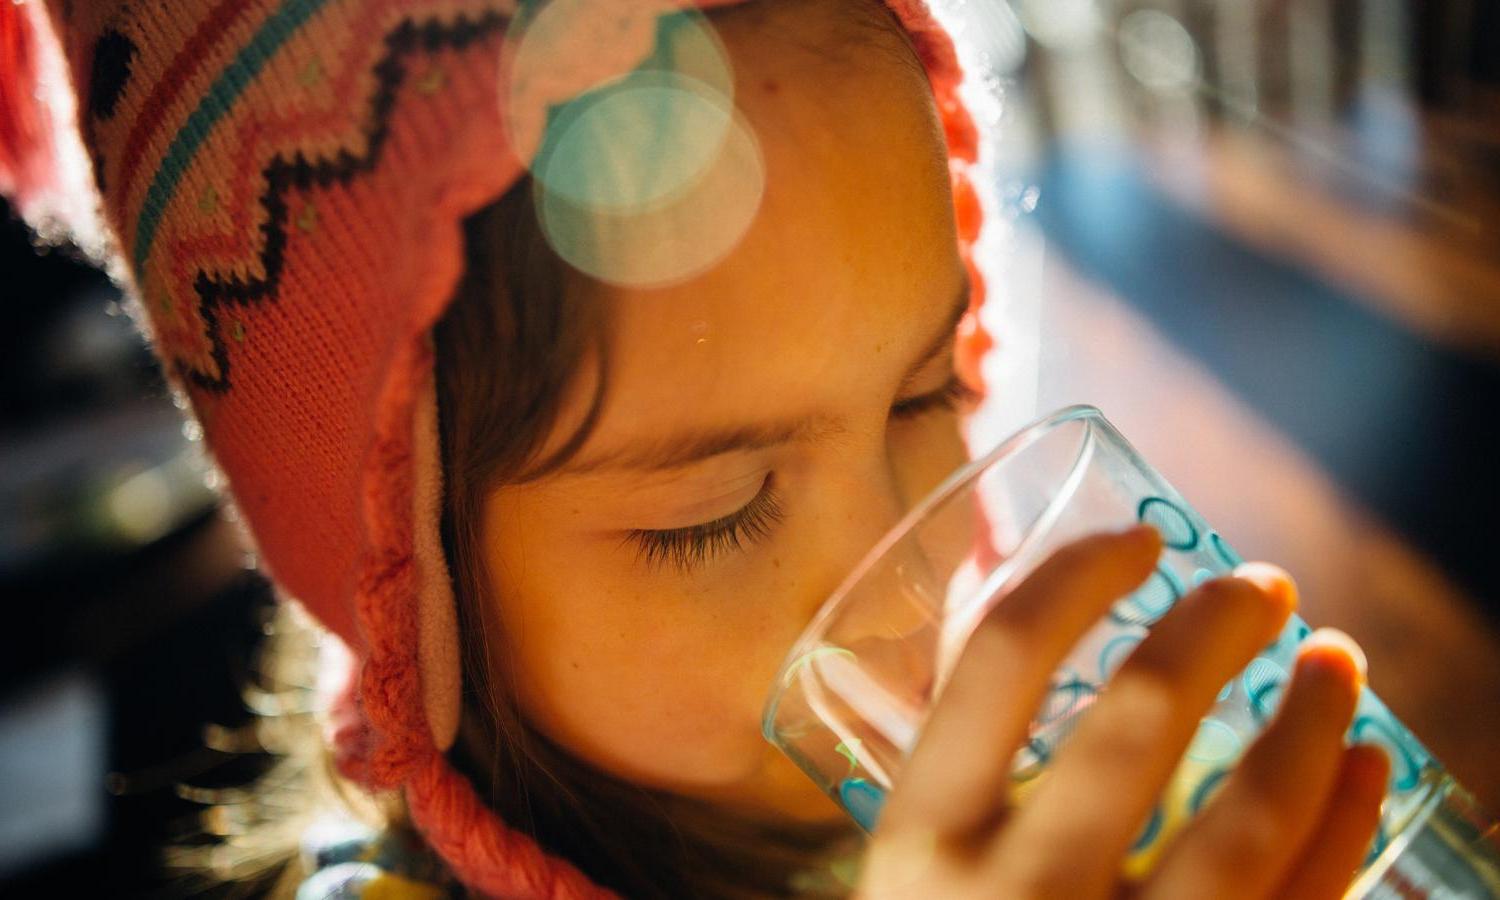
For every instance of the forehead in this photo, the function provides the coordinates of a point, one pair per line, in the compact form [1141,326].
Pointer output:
[851,253]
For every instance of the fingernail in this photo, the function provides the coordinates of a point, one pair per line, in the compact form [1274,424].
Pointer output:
[1272,579]
[1337,643]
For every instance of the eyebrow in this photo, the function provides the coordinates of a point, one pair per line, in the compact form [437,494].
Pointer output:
[674,451]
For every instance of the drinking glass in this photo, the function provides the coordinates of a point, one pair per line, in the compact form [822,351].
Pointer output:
[850,700]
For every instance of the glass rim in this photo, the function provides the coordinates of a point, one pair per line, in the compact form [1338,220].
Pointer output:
[1016,441]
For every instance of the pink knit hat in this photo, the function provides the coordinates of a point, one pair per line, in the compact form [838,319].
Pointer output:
[285,182]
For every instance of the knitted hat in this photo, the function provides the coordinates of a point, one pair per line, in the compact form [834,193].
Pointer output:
[285,181]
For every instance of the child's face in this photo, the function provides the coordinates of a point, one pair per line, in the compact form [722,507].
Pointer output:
[808,334]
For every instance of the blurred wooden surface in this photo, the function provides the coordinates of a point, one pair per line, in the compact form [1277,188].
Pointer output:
[1424,250]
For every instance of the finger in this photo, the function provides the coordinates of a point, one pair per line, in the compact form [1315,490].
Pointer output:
[1328,863]
[1108,777]
[1252,832]
[958,773]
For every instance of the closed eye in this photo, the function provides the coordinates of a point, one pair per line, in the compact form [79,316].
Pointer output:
[690,547]
[953,395]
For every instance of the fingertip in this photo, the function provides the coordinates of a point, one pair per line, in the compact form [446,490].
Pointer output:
[1144,537]
[1334,651]
[1273,580]
[1129,553]
[1145,552]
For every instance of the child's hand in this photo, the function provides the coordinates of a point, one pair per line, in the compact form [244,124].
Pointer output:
[1291,821]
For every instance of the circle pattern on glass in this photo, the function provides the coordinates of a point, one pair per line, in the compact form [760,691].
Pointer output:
[1065,698]
[1225,691]
[1406,771]
[1222,549]
[1264,683]
[1115,652]
[1177,530]
[1205,790]
[1214,742]
[1151,601]
[862,800]
[1149,832]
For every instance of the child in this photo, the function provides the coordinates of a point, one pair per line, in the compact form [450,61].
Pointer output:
[561,362]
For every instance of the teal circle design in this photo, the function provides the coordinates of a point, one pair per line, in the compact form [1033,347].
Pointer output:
[1149,832]
[1030,760]
[1299,630]
[1064,698]
[1201,575]
[862,800]
[1222,549]
[1215,742]
[1406,770]
[1114,652]
[1205,789]
[1074,699]
[1041,750]
[1264,681]
[1151,601]
[1177,530]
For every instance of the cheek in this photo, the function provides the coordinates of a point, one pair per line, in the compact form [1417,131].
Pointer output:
[652,685]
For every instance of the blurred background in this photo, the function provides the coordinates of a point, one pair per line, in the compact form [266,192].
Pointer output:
[1263,237]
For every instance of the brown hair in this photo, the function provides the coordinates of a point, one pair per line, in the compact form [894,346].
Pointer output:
[507,348]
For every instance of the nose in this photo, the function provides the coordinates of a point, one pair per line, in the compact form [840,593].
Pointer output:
[887,620]
[891,605]
[870,502]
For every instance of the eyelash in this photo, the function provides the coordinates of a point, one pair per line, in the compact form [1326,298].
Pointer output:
[950,396]
[686,548]
[694,545]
